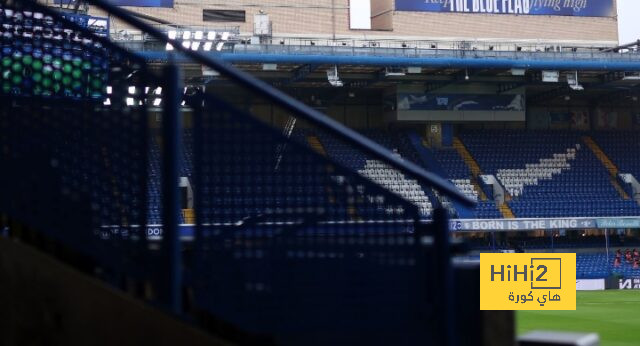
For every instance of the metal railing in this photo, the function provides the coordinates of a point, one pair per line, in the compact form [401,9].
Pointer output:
[278,221]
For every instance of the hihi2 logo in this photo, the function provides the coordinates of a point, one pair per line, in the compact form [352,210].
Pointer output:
[533,281]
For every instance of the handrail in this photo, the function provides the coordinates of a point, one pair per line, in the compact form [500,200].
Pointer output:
[263,89]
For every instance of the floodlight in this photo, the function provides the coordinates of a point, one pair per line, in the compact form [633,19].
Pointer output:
[172,34]
[219,46]
[225,36]
[130,101]
[572,80]
[186,35]
[211,36]
[132,90]
[333,78]
[195,45]
[198,35]
[157,102]
[186,44]
[168,47]
[207,46]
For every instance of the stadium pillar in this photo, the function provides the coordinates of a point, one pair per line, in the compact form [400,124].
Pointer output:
[171,133]
[444,279]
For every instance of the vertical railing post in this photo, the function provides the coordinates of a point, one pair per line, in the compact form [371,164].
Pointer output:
[171,141]
[444,287]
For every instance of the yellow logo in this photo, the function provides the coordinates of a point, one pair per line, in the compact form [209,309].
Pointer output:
[531,281]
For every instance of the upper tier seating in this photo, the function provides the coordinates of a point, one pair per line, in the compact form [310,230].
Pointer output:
[396,182]
[623,148]
[458,173]
[549,173]
[515,179]
[382,174]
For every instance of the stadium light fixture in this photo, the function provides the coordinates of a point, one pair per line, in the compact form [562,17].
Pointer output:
[394,71]
[172,34]
[186,44]
[198,35]
[157,102]
[195,45]
[130,101]
[109,90]
[207,46]
[550,76]
[132,90]
[269,67]
[333,78]
[225,36]
[219,46]
[107,102]
[168,47]
[572,80]
[186,35]
[158,91]
[211,36]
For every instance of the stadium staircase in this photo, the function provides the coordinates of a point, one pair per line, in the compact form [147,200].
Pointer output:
[504,208]
[315,144]
[189,216]
[472,164]
[607,163]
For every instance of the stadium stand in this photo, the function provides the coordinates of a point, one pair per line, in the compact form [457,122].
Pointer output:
[548,173]
[303,228]
[599,265]
[622,147]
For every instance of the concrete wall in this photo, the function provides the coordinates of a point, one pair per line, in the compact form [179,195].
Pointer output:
[44,302]
[325,18]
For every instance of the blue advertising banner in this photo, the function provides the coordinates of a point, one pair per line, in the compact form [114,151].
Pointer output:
[136,3]
[580,8]
[460,102]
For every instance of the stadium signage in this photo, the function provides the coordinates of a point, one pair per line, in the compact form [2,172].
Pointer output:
[543,224]
[530,281]
[618,223]
[580,8]
[136,3]
[520,224]
[460,102]
[590,285]
[629,284]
